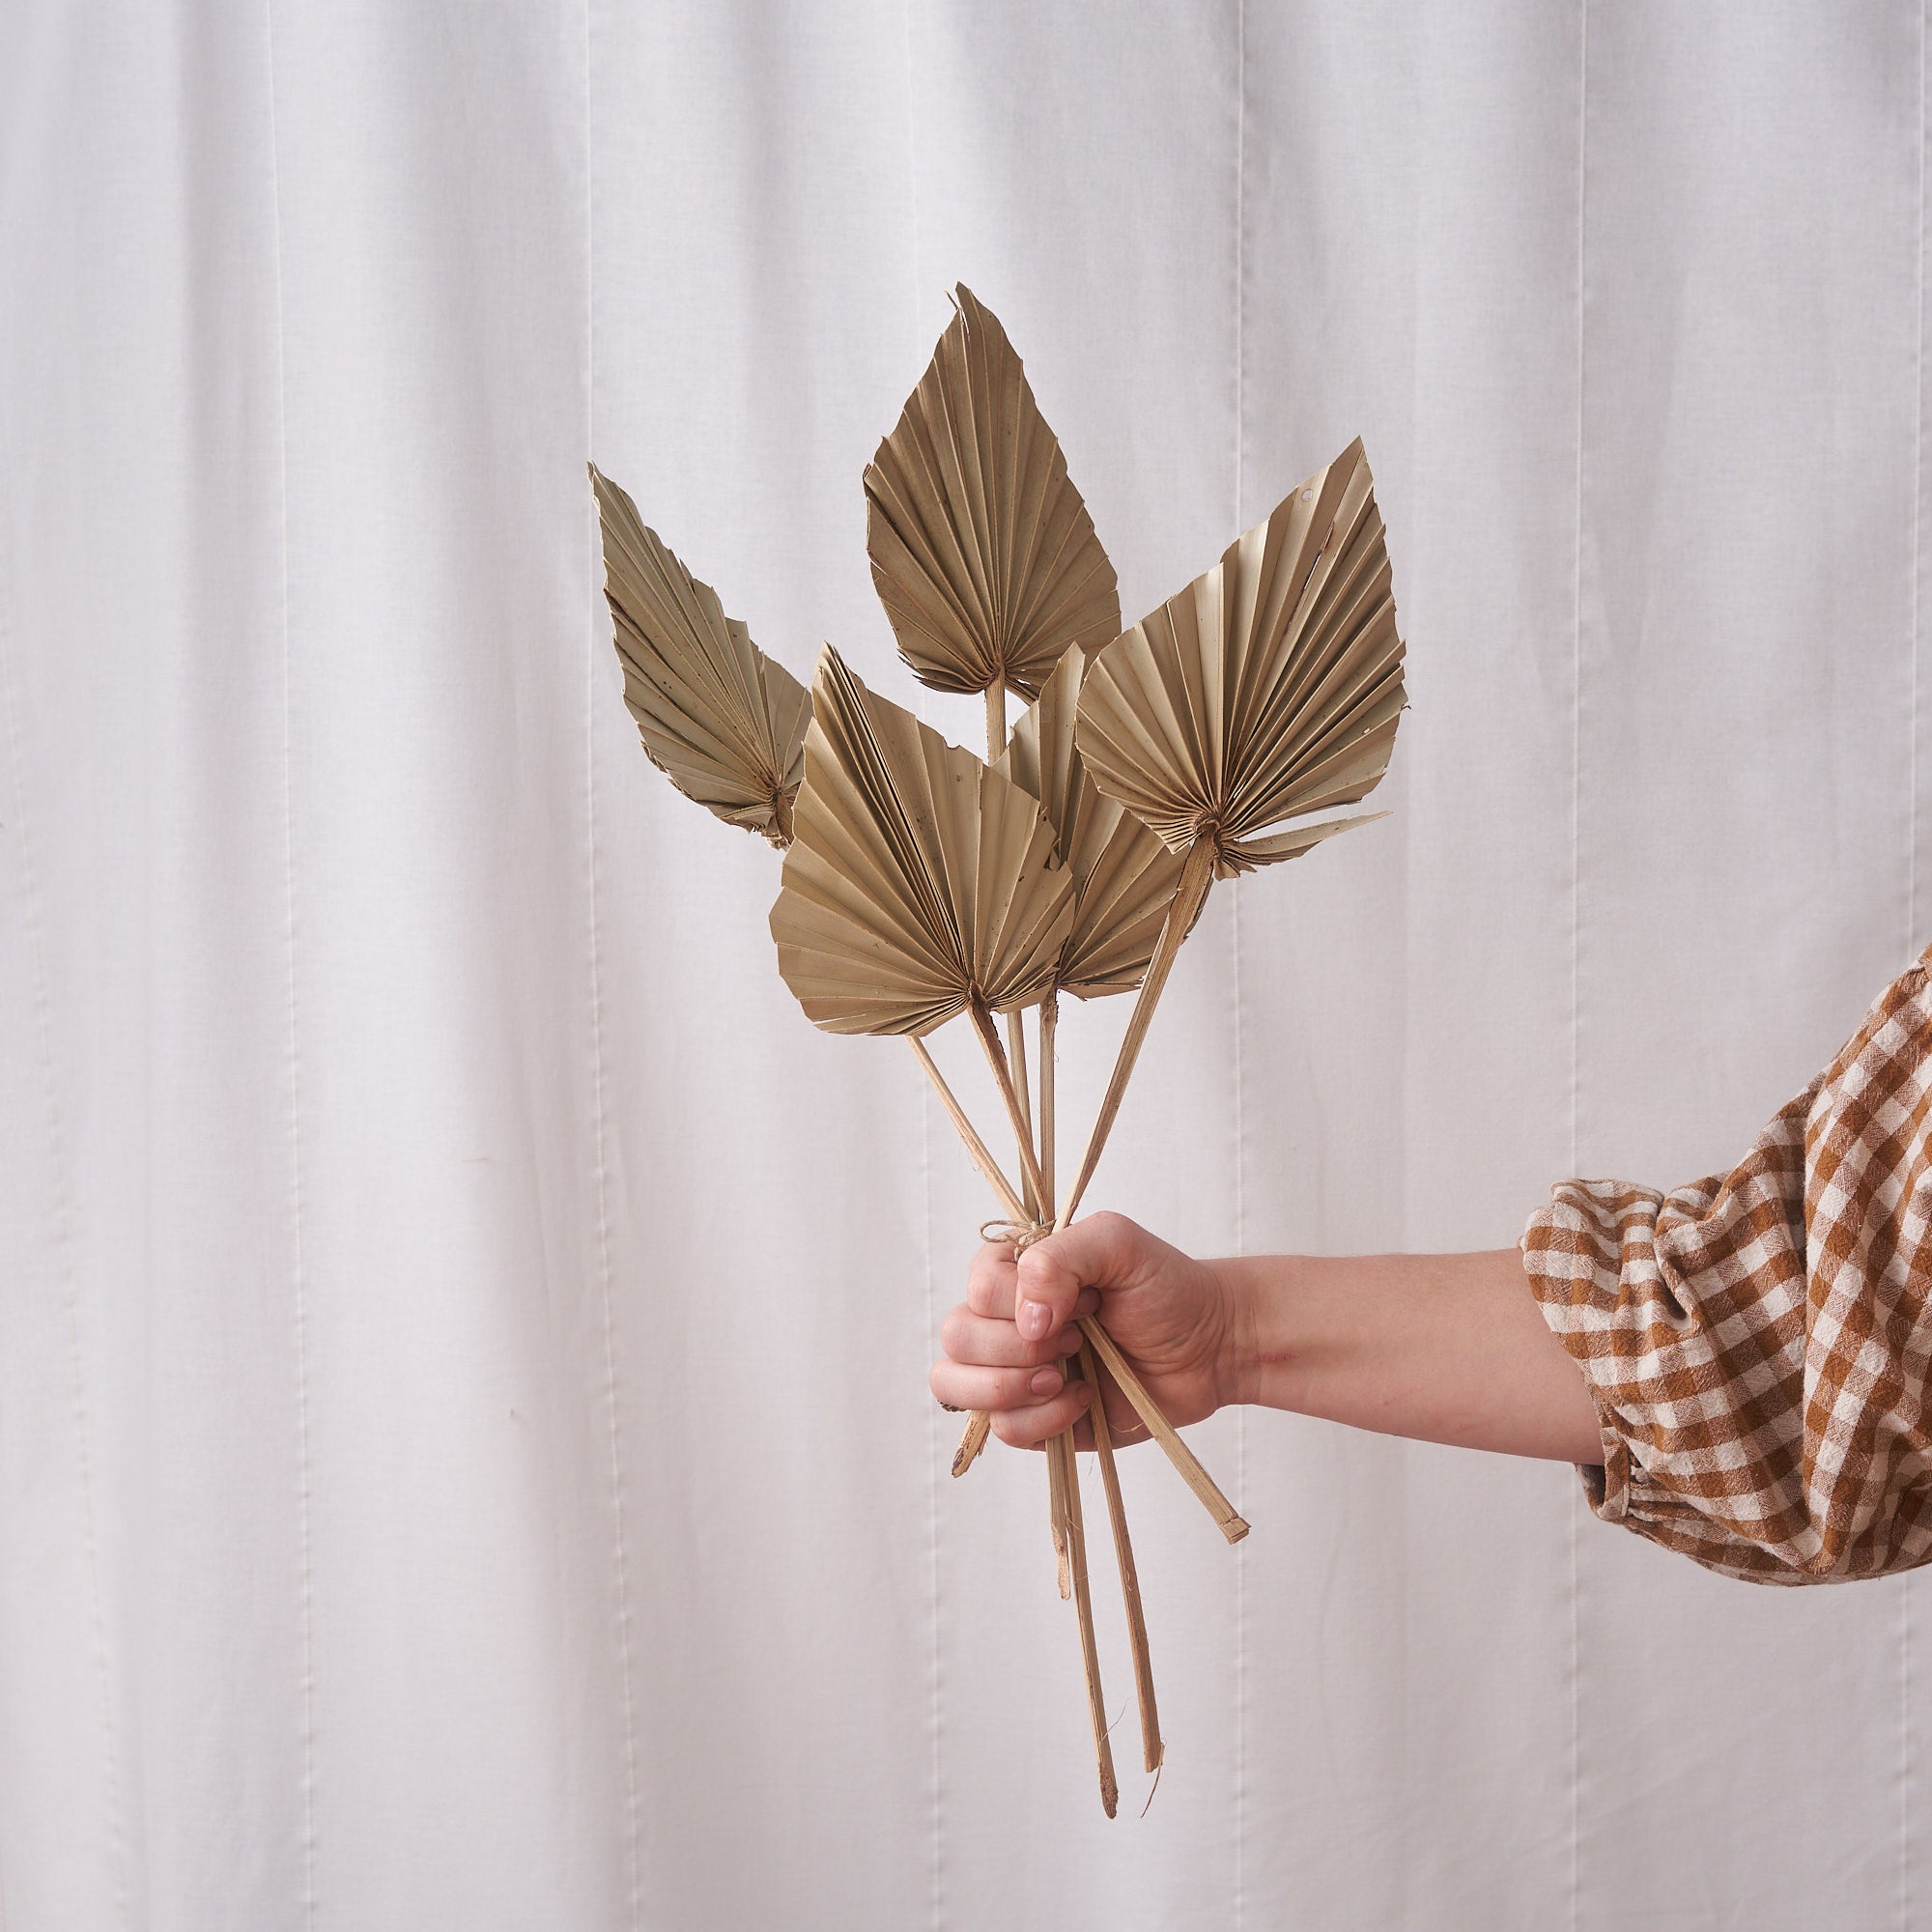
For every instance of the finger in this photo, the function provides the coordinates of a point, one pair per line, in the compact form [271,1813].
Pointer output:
[1028,1428]
[995,1389]
[1104,1251]
[980,1342]
[989,1281]
[989,1284]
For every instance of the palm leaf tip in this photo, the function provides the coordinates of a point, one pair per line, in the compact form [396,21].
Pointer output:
[1269,690]
[983,551]
[918,880]
[720,720]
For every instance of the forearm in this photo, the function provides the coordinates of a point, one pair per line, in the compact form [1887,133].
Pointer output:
[1445,1348]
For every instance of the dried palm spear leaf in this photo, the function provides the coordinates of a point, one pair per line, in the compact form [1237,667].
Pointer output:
[983,551]
[1268,689]
[720,720]
[1123,877]
[920,883]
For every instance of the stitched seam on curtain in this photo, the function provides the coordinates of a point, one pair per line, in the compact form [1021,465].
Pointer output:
[62,1217]
[1917,529]
[620,1548]
[933,1452]
[1235,928]
[293,1061]
[1906,1714]
[1575,932]
[935,1442]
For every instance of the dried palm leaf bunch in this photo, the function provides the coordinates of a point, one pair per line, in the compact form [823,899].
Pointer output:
[921,883]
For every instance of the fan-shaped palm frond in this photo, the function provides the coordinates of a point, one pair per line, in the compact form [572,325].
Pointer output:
[1268,689]
[920,882]
[983,551]
[719,718]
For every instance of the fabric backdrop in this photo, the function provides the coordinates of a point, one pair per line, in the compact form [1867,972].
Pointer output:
[465,1456]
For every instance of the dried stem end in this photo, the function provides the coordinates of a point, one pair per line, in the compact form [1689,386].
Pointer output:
[1152,1751]
[978,1427]
[1184,1459]
[1061,1452]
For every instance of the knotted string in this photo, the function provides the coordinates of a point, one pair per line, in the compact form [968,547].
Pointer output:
[1020,1235]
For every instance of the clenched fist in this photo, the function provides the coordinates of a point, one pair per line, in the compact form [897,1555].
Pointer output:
[1008,1344]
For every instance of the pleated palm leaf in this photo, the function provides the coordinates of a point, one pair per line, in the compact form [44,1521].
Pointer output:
[920,883]
[1268,689]
[983,551]
[720,720]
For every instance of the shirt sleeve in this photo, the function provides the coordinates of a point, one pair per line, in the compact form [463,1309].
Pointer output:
[1757,1344]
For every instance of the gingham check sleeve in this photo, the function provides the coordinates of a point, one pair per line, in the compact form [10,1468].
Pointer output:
[1757,1344]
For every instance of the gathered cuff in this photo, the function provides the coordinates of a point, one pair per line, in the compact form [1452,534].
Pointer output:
[1572,1252]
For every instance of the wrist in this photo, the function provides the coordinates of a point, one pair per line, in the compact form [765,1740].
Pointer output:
[1256,1293]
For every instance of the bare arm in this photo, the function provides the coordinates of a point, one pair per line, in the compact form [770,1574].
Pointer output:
[1446,1348]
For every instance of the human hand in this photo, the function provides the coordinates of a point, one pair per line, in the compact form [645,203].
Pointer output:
[1007,1344]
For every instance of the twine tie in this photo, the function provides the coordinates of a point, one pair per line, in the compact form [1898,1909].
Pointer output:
[1020,1235]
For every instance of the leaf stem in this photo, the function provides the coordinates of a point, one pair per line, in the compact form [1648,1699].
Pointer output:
[1197,874]
[982,1158]
[1003,1077]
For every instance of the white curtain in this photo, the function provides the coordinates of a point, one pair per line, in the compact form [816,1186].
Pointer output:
[465,1457]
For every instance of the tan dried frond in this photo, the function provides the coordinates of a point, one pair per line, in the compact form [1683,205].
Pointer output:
[983,551]
[1268,689]
[920,881]
[1123,877]
[720,720]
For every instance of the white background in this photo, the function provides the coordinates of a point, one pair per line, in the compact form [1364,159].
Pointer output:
[464,1458]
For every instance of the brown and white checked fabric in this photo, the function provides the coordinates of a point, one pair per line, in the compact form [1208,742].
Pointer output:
[1758,1343]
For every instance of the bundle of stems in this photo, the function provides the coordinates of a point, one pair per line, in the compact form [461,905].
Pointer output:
[922,884]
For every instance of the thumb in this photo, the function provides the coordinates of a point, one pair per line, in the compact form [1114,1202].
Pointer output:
[1099,1252]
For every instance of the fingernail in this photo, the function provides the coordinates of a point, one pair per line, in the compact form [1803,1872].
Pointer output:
[1046,1381]
[1035,1318]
